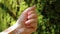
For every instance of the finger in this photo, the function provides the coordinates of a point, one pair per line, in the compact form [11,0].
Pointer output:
[31,12]
[32,16]
[30,9]
[32,25]
[29,22]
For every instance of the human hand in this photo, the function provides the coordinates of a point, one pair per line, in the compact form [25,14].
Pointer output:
[28,21]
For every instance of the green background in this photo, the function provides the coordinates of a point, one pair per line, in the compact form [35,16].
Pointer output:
[48,14]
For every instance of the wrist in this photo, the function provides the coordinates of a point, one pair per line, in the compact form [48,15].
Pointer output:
[11,29]
[17,29]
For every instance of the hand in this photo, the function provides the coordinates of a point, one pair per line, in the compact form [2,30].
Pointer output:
[28,20]
[26,23]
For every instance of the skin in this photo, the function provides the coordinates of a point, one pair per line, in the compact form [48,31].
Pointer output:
[26,23]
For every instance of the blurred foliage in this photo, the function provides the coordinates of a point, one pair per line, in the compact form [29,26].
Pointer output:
[48,14]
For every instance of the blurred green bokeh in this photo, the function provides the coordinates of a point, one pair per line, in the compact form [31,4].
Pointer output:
[48,14]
